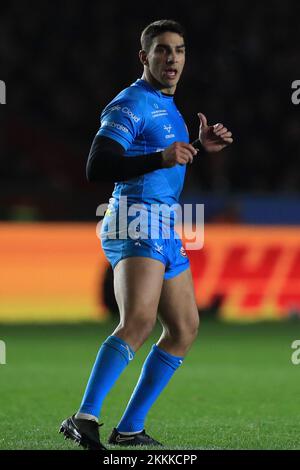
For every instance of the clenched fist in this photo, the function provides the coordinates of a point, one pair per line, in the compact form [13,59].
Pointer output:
[178,153]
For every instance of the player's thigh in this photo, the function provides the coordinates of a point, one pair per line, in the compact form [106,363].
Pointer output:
[177,307]
[137,284]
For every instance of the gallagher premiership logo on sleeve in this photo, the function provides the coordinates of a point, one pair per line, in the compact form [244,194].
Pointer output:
[2,92]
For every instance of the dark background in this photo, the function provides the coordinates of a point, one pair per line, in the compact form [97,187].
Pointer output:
[62,62]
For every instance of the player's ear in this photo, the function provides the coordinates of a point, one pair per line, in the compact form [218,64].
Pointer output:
[143,57]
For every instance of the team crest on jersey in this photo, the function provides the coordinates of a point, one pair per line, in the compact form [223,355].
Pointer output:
[168,129]
[183,252]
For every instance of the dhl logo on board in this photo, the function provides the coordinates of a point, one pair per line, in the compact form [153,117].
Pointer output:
[251,272]
[55,272]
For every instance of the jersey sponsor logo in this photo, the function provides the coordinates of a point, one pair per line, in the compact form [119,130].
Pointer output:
[117,107]
[115,125]
[127,111]
[159,113]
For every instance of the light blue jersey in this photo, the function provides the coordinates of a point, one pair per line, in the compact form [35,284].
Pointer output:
[144,121]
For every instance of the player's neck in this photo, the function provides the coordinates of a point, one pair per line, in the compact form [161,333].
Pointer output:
[158,86]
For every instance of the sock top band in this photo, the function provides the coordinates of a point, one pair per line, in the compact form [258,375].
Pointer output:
[121,346]
[172,361]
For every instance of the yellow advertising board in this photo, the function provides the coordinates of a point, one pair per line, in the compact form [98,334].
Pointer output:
[54,272]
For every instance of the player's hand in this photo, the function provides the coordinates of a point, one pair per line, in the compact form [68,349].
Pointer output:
[213,138]
[178,153]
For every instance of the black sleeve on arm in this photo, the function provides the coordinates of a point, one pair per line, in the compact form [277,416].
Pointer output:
[106,162]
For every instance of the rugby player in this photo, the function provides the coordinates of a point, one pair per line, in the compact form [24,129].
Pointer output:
[143,146]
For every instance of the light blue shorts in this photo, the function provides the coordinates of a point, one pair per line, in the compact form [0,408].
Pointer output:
[169,251]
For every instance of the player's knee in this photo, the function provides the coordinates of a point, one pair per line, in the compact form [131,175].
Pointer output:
[137,330]
[144,327]
[185,332]
[189,333]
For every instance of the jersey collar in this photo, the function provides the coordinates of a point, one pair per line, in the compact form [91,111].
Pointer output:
[147,86]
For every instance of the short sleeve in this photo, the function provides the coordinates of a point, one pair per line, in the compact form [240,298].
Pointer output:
[122,121]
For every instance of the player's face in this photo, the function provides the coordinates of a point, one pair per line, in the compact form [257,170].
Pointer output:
[165,60]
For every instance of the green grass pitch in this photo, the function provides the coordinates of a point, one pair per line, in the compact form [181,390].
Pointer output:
[237,388]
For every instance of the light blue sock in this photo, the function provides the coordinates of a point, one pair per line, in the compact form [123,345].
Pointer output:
[157,370]
[113,356]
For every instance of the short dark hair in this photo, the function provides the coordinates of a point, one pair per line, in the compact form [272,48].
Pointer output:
[159,27]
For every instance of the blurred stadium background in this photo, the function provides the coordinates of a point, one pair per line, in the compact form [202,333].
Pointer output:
[62,62]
